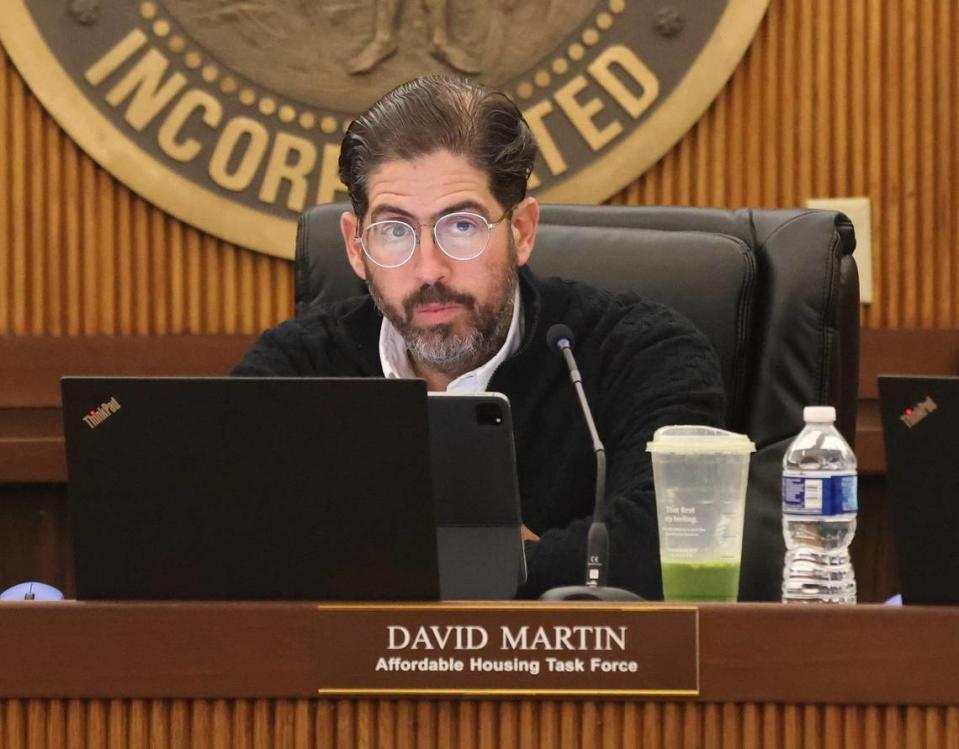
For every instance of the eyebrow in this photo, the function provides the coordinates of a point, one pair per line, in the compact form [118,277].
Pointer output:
[466,205]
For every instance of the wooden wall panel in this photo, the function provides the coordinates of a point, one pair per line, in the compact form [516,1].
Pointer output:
[81,255]
[295,724]
[834,98]
[843,98]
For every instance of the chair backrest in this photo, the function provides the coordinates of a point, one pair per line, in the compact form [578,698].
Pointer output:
[775,291]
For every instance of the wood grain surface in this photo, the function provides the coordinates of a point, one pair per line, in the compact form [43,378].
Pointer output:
[866,684]
[439,724]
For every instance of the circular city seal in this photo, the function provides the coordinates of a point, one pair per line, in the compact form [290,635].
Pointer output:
[228,114]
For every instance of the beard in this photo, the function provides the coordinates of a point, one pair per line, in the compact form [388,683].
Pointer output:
[441,347]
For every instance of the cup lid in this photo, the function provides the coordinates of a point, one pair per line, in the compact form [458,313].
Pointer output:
[691,438]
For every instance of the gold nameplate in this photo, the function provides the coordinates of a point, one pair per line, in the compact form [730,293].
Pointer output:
[633,649]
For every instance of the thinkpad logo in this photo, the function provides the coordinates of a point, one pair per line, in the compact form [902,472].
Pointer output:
[98,415]
[228,114]
[912,416]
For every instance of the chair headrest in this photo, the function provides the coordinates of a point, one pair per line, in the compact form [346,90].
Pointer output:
[709,278]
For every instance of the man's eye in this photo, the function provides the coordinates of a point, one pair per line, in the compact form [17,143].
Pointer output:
[465,225]
[393,231]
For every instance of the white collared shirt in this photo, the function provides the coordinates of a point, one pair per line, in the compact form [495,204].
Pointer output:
[396,362]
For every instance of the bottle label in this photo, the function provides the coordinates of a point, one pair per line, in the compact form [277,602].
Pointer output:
[819,495]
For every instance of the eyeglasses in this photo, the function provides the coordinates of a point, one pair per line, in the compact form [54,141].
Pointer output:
[461,236]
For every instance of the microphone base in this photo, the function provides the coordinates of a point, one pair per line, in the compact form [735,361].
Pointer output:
[589,593]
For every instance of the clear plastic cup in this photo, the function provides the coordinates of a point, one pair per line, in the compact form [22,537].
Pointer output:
[700,476]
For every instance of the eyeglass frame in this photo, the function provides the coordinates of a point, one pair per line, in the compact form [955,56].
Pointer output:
[417,228]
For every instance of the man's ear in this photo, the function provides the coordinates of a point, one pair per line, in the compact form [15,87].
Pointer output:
[354,250]
[523,225]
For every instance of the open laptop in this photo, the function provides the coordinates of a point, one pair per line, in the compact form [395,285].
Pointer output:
[920,417]
[278,488]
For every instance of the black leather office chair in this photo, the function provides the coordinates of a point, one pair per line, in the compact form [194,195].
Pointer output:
[776,292]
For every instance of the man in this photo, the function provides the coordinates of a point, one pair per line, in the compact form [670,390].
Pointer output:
[441,231]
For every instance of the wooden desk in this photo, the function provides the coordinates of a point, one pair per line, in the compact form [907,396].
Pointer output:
[245,674]
[31,422]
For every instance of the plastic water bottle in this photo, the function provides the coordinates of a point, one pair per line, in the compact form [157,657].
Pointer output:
[819,512]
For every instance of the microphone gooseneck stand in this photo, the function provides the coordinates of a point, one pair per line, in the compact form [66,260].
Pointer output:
[560,337]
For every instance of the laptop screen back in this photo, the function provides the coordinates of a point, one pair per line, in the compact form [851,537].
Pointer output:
[240,488]
[920,418]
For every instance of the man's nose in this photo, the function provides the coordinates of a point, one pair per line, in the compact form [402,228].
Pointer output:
[430,262]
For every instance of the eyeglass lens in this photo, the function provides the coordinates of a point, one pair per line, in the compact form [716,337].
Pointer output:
[460,235]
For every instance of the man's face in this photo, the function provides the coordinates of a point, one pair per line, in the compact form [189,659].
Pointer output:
[453,314]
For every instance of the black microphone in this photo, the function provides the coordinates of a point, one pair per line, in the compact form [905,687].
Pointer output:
[597,542]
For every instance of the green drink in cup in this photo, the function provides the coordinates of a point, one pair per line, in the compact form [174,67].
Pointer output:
[700,477]
[700,581]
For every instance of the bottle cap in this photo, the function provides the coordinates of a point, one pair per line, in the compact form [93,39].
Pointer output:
[819,414]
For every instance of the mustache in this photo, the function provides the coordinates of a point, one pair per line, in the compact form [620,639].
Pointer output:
[437,293]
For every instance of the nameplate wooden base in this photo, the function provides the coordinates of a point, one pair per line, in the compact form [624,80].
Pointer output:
[744,653]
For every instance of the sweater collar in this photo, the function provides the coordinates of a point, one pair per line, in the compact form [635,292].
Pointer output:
[529,289]
[532,365]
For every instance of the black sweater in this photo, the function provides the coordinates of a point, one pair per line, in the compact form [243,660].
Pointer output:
[643,367]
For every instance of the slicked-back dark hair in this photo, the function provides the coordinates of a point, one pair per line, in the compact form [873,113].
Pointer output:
[438,112]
